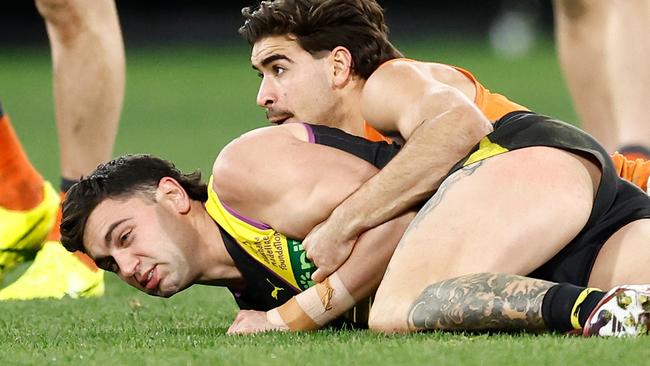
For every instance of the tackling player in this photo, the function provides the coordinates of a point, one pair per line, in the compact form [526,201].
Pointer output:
[341,70]
[331,62]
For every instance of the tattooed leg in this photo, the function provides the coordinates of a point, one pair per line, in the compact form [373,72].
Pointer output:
[435,200]
[481,302]
[471,227]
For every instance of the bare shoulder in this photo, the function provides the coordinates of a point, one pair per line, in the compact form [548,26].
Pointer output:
[408,76]
[394,89]
[247,160]
[400,94]
[404,70]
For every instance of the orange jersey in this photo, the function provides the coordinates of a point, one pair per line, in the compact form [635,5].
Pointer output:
[373,135]
[495,106]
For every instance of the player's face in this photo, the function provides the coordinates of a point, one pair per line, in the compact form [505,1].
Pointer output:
[295,86]
[143,242]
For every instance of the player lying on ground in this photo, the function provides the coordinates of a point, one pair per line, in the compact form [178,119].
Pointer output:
[162,231]
[331,62]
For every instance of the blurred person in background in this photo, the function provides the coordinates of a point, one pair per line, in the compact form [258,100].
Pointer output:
[88,81]
[604,48]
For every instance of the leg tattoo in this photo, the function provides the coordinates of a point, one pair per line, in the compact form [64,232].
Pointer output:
[481,302]
[437,198]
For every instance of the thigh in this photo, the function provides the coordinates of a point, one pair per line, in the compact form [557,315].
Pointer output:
[624,258]
[510,213]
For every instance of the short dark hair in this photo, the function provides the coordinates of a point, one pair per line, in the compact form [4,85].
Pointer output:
[120,178]
[321,25]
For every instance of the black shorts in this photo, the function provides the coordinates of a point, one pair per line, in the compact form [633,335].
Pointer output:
[617,203]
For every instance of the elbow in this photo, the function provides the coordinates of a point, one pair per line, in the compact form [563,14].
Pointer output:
[471,121]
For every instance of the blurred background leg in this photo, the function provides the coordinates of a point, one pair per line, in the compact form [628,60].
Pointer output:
[88,83]
[628,54]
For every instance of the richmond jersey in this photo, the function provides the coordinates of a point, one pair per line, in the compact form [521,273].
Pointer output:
[274,266]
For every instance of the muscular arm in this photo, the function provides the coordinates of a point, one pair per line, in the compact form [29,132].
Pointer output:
[272,175]
[355,280]
[440,125]
[275,176]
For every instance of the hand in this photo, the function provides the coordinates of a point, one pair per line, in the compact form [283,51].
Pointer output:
[252,321]
[328,247]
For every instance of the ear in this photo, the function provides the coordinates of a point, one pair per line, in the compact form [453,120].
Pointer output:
[171,192]
[342,66]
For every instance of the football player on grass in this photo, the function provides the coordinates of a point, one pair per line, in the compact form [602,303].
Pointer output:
[162,231]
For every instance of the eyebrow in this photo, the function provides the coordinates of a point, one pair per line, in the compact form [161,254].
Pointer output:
[271,58]
[109,234]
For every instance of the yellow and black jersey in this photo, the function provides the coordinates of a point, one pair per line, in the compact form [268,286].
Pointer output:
[275,267]
[617,202]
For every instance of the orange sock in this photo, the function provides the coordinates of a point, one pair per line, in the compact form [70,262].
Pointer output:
[55,235]
[21,185]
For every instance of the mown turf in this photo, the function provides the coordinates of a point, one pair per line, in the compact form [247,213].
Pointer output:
[185,104]
[129,328]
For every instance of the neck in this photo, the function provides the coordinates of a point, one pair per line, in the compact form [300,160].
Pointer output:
[217,266]
[348,116]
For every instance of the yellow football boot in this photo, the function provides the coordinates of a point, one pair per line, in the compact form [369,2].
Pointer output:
[56,273]
[22,232]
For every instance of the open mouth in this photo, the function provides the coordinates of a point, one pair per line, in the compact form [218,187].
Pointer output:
[150,281]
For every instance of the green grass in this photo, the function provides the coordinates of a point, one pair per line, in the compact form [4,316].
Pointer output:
[185,104]
[130,328]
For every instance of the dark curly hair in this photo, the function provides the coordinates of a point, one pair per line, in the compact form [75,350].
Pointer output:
[322,25]
[120,178]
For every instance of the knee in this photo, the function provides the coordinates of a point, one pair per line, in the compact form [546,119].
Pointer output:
[57,11]
[386,319]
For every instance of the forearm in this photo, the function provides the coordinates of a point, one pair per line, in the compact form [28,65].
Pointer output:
[314,307]
[355,280]
[416,172]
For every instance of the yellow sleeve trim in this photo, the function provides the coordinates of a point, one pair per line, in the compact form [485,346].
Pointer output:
[266,246]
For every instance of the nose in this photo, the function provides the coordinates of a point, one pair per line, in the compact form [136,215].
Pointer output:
[266,95]
[126,262]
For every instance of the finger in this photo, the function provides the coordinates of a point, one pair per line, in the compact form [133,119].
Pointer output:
[238,317]
[237,331]
[232,330]
[235,322]
[319,275]
[309,251]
